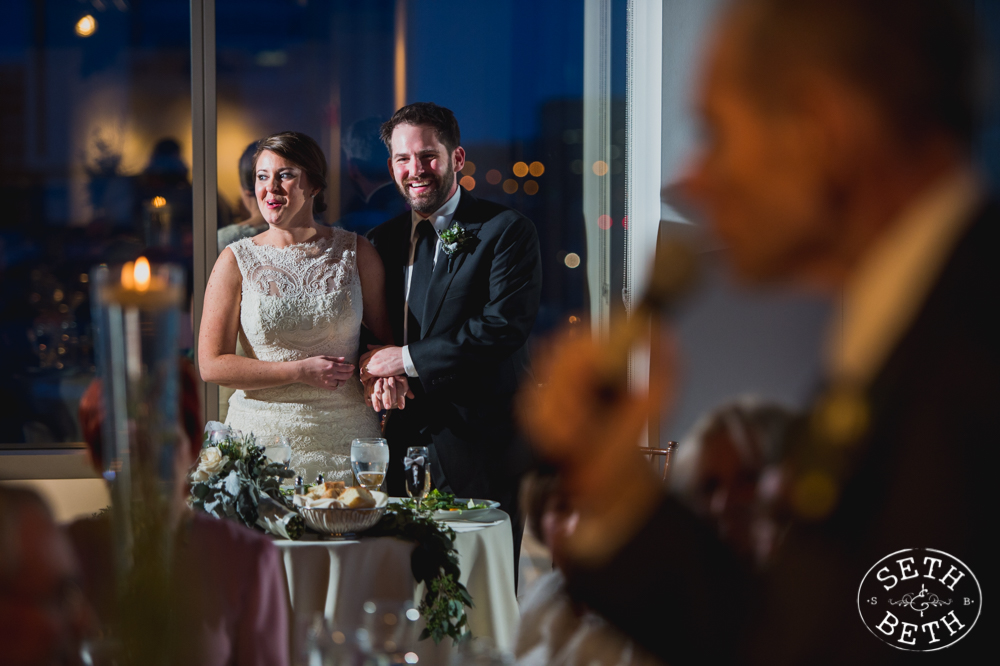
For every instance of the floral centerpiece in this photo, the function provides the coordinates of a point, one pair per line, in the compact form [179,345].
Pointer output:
[234,479]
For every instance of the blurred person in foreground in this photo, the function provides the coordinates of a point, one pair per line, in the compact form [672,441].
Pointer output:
[43,617]
[837,156]
[555,631]
[255,223]
[228,591]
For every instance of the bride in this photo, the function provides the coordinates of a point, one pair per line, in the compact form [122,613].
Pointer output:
[296,295]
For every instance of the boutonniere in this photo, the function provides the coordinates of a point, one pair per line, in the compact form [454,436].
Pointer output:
[456,240]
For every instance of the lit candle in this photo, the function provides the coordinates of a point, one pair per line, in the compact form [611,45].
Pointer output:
[143,288]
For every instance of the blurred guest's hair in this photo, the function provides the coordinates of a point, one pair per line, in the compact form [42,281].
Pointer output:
[918,60]
[537,488]
[362,144]
[246,167]
[425,114]
[757,429]
[304,152]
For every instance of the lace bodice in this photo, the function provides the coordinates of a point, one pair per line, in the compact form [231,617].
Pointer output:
[300,301]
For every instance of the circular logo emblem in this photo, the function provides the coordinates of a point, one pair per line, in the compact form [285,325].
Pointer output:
[919,599]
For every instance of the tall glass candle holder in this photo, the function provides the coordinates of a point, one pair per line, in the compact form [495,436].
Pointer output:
[137,315]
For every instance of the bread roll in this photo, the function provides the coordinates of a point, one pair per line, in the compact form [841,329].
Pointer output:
[333,489]
[357,498]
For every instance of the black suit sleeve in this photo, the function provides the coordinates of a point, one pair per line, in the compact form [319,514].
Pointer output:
[502,326]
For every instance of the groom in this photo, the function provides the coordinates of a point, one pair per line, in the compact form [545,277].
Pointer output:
[463,282]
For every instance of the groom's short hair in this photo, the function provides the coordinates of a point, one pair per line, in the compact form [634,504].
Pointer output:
[425,114]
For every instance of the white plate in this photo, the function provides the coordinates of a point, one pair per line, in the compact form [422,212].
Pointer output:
[467,514]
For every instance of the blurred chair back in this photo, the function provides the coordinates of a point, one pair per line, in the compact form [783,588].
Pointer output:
[656,454]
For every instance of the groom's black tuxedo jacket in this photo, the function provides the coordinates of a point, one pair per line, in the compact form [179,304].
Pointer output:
[471,356]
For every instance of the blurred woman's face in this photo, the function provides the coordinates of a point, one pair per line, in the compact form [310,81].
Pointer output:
[283,191]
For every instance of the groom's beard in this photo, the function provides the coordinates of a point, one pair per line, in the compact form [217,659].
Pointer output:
[430,201]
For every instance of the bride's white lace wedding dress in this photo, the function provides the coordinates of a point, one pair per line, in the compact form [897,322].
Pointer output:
[300,301]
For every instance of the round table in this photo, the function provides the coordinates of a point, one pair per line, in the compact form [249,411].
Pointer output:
[334,577]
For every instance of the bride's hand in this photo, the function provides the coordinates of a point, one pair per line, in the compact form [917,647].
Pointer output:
[388,392]
[327,372]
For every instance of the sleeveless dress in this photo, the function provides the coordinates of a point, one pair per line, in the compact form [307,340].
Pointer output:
[300,301]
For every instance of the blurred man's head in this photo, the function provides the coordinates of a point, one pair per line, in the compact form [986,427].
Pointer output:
[42,612]
[822,120]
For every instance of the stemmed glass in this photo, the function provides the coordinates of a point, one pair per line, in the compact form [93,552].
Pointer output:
[278,450]
[389,632]
[370,461]
[418,473]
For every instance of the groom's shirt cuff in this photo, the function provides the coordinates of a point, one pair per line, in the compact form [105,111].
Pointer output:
[411,371]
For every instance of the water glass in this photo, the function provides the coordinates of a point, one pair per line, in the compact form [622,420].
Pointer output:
[277,449]
[370,460]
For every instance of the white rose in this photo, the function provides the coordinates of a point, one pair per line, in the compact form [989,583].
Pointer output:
[210,463]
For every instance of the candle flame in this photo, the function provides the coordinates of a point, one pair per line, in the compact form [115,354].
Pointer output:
[159,202]
[141,274]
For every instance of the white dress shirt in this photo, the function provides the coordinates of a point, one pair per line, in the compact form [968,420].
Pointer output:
[893,279]
[441,219]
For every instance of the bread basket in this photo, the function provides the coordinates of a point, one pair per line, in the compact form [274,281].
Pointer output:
[340,521]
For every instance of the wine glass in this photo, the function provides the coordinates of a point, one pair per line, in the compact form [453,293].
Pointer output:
[418,473]
[370,460]
[278,450]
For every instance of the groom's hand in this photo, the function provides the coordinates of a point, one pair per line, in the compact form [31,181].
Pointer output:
[382,361]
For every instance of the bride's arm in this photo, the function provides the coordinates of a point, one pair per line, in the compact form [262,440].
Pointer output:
[217,343]
[372,274]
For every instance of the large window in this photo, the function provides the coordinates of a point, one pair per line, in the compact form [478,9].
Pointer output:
[511,70]
[95,128]
[108,154]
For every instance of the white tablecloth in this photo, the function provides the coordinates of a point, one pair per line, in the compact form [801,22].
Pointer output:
[336,577]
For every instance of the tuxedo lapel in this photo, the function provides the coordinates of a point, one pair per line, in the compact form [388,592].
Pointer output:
[441,279]
[447,268]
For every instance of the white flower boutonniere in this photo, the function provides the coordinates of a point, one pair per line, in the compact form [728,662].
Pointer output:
[456,240]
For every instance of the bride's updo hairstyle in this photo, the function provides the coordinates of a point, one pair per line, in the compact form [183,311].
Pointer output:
[305,153]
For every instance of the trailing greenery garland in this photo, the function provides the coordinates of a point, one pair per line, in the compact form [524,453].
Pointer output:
[434,562]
